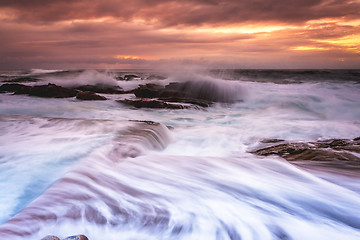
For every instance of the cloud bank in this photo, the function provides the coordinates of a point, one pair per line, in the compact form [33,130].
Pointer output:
[141,33]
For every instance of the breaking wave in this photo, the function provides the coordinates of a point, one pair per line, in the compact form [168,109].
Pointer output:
[87,77]
[209,88]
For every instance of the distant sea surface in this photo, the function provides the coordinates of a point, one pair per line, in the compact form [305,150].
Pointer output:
[112,171]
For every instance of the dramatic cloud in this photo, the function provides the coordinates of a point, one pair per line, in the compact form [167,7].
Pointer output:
[141,33]
[185,12]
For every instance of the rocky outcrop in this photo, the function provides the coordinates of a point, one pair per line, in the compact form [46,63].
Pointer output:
[98,88]
[12,87]
[23,90]
[200,90]
[334,152]
[149,90]
[176,95]
[150,103]
[101,89]
[22,79]
[51,91]
[195,102]
[86,92]
[47,91]
[87,95]
[173,92]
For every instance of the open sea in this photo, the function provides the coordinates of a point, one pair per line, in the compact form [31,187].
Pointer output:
[111,171]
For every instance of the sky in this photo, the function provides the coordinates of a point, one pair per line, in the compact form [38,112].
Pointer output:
[123,34]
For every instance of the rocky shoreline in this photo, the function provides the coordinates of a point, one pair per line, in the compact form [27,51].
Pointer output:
[172,96]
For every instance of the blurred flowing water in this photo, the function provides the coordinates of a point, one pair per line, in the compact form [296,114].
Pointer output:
[102,169]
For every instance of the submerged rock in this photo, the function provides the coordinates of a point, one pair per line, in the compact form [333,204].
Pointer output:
[87,95]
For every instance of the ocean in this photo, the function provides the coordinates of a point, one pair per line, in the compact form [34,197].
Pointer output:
[113,171]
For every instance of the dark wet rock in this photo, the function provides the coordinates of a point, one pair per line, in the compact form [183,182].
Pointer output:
[283,150]
[155,77]
[208,91]
[332,143]
[87,95]
[86,92]
[52,91]
[305,151]
[23,90]
[22,79]
[144,103]
[271,140]
[146,122]
[129,77]
[340,144]
[47,91]
[205,91]
[173,92]
[12,87]
[119,78]
[198,102]
[149,90]
[334,152]
[324,155]
[197,94]
[101,89]
[50,237]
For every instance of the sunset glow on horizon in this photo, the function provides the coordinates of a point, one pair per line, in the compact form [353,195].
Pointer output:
[218,33]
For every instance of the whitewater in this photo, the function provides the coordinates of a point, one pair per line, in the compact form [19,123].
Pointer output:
[111,171]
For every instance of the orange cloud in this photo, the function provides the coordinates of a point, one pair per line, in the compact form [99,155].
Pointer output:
[261,34]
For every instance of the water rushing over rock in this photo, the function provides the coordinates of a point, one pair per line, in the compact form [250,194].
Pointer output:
[111,171]
[91,182]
